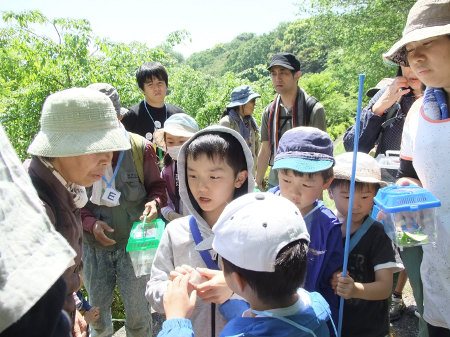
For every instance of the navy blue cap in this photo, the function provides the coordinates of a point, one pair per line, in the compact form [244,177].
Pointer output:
[304,149]
[286,60]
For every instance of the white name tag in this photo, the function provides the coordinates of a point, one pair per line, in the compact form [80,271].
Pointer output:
[111,195]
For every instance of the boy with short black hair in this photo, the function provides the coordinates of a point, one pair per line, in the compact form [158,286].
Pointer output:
[214,167]
[304,163]
[152,112]
[371,262]
[263,242]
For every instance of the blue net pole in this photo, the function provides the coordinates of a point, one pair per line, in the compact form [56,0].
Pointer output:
[352,190]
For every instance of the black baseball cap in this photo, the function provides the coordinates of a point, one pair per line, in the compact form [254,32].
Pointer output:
[286,60]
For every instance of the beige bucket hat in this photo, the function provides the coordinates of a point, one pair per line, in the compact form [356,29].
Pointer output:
[427,18]
[78,121]
[367,168]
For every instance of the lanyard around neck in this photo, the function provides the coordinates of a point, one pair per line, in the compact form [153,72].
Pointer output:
[149,114]
[109,184]
[284,319]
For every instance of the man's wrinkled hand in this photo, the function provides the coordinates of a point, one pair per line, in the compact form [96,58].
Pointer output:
[99,233]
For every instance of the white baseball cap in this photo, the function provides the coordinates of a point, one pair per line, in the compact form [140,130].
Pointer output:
[252,230]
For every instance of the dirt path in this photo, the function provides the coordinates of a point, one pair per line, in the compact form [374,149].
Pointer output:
[406,326]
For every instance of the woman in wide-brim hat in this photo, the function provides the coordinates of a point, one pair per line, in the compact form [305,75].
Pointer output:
[79,131]
[238,116]
[425,159]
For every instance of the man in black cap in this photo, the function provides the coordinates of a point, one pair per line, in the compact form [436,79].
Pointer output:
[291,107]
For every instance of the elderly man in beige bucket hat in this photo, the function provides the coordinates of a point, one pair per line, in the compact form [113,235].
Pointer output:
[78,133]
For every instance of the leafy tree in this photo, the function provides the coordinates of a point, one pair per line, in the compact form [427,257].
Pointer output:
[299,40]
[358,32]
[41,56]
[338,107]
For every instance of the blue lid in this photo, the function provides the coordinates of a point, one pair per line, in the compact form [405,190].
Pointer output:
[394,198]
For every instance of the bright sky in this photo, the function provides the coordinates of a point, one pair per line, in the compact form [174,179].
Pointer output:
[208,21]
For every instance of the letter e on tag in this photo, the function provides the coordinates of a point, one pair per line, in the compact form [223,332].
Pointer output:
[111,195]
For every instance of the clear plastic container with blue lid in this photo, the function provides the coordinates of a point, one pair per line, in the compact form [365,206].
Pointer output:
[410,214]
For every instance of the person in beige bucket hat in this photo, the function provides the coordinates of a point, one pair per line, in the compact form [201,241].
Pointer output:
[79,131]
[426,19]
[424,159]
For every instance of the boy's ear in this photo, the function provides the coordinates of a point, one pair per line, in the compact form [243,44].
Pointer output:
[239,282]
[240,178]
[330,193]
[327,183]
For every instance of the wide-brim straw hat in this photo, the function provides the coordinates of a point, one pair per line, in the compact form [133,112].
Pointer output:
[367,168]
[179,125]
[426,19]
[76,122]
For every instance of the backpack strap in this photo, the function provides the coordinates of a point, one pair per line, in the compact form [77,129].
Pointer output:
[137,149]
[311,102]
[197,239]
[360,232]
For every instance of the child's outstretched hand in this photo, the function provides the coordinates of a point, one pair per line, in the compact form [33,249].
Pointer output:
[345,286]
[215,289]
[92,315]
[194,276]
[177,302]
[180,271]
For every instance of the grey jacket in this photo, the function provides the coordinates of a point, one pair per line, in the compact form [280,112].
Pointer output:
[177,245]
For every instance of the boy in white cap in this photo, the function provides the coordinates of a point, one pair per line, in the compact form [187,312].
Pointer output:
[371,261]
[263,242]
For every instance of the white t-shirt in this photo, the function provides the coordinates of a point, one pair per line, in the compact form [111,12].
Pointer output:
[426,142]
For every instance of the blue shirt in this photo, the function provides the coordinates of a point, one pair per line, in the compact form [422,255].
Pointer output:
[313,316]
[326,253]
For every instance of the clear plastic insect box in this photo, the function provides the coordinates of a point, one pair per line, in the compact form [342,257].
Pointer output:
[410,214]
[142,244]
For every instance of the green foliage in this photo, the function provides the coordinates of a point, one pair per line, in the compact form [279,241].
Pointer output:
[340,39]
[338,107]
[358,32]
[65,53]
[242,53]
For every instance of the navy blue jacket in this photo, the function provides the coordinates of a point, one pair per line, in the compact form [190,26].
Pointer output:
[370,127]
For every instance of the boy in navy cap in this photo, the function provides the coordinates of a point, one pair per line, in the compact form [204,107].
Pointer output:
[304,163]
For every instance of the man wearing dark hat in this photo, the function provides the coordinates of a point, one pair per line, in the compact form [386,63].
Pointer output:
[291,107]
